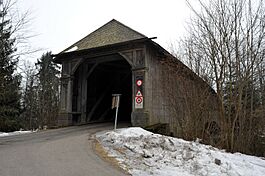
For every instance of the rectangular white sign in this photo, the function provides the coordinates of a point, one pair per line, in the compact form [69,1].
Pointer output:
[139,102]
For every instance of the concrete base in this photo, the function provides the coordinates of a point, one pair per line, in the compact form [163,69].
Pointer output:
[140,119]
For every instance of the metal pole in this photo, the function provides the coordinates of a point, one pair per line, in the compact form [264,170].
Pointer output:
[117,109]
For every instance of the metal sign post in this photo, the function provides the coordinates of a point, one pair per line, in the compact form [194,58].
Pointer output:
[116,103]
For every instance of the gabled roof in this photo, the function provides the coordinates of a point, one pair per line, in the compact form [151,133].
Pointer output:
[111,33]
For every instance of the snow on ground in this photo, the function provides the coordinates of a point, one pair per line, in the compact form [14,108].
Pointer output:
[2,134]
[143,153]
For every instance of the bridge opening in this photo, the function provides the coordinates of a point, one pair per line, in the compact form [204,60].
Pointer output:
[104,76]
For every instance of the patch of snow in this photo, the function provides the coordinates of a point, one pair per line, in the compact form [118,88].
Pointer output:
[2,134]
[145,153]
[72,49]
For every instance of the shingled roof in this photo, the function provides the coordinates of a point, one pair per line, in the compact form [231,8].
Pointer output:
[111,33]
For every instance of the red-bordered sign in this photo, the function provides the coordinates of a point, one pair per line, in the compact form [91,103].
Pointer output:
[139,100]
[139,82]
[139,94]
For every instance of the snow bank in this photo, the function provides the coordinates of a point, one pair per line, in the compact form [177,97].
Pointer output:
[144,153]
[14,133]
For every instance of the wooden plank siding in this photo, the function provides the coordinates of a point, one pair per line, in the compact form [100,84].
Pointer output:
[172,93]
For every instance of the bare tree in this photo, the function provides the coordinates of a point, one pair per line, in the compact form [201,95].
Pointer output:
[41,94]
[226,47]
[30,100]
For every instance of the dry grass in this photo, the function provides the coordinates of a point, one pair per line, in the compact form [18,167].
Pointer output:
[102,153]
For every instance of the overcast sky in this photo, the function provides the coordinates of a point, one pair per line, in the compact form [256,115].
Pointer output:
[60,23]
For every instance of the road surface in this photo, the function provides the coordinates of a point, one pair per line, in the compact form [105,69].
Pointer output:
[60,152]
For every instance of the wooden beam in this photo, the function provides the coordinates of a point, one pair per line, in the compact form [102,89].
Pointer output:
[69,95]
[83,94]
[76,66]
[116,65]
[129,60]
[101,118]
[97,104]
[103,59]
[91,70]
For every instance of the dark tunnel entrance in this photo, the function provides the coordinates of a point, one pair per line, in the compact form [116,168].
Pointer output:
[106,76]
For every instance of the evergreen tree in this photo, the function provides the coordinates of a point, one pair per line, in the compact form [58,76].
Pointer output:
[48,90]
[9,81]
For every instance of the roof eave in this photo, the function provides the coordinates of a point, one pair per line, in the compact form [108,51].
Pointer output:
[61,56]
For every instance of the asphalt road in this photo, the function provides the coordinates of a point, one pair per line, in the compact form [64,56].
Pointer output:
[60,152]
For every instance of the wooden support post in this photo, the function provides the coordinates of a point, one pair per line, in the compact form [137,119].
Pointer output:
[97,104]
[83,94]
[69,95]
[86,74]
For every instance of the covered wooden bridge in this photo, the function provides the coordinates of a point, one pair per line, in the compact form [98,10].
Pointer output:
[116,59]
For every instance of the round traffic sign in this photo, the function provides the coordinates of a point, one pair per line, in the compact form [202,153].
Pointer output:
[139,82]
[139,100]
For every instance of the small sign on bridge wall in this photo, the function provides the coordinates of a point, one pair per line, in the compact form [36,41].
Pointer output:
[139,102]
[139,99]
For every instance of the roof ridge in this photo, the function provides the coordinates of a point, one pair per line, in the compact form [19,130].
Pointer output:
[73,45]
[127,27]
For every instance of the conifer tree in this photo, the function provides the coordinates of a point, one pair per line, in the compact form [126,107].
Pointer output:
[48,90]
[9,80]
